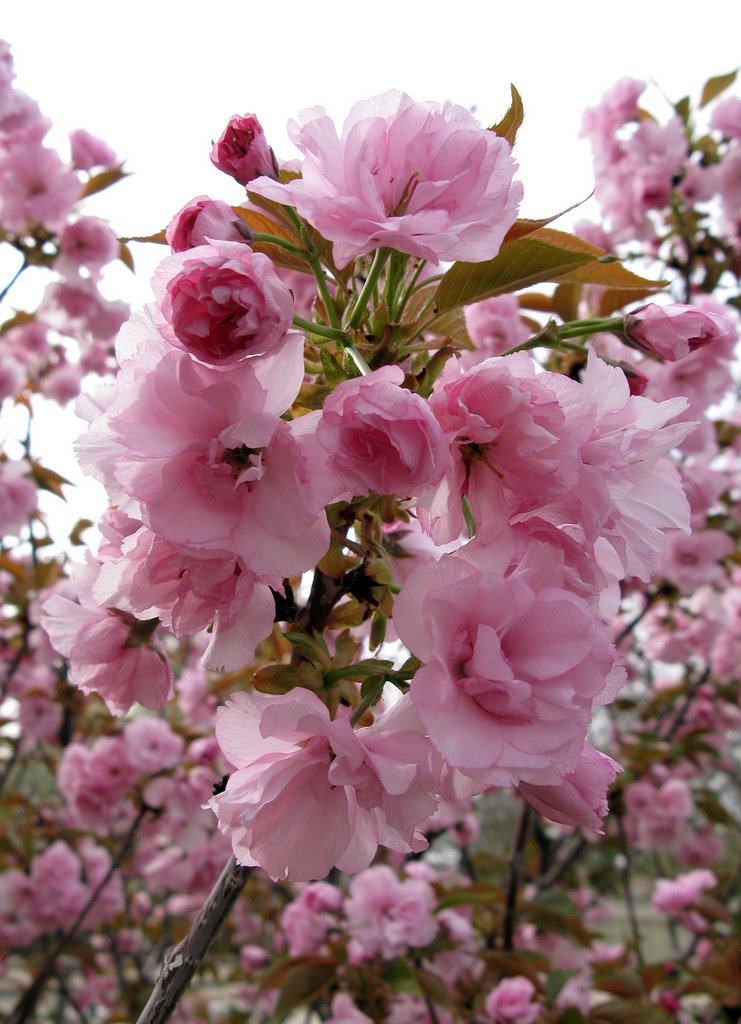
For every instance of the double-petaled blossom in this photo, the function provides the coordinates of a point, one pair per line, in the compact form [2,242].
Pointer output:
[222,302]
[379,437]
[110,652]
[580,798]
[513,663]
[204,459]
[309,793]
[417,177]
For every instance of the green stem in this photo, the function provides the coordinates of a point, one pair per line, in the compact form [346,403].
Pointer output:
[327,301]
[321,330]
[297,250]
[356,317]
[580,328]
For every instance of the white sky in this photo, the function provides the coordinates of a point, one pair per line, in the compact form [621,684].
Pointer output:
[159,80]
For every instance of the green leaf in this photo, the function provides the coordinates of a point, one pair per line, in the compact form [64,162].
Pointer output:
[303,983]
[277,679]
[508,127]
[312,648]
[491,896]
[682,108]
[715,86]
[603,269]
[712,808]
[523,262]
[572,1015]
[332,369]
[627,1011]
[103,180]
[432,986]
[556,981]
[378,631]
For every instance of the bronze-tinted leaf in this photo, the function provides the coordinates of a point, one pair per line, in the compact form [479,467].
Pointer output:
[159,238]
[508,127]
[715,86]
[103,180]
[526,226]
[124,254]
[603,269]
[47,479]
[520,263]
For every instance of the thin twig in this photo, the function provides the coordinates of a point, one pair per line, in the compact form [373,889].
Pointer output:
[625,875]
[24,1008]
[187,956]
[515,876]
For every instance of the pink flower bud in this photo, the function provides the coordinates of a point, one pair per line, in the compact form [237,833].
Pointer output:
[242,151]
[671,332]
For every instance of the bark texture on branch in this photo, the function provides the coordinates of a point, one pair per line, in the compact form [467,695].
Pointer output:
[185,959]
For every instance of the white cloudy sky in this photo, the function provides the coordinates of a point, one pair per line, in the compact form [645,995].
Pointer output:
[159,79]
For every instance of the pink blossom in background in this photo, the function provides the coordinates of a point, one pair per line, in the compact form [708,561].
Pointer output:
[151,745]
[18,496]
[494,326]
[424,179]
[222,302]
[88,151]
[672,332]
[674,895]
[511,1002]
[380,437]
[344,1011]
[243,152]
[110,653]
[201,221]
[86,242]
[726,117]
[387,916]
[310,918]
[35,186]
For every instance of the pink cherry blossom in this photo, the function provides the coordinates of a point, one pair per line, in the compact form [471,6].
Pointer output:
[89,152]
[209,465]
[222,302]
[201,221]
[494,326]
[673,895]
[310,793]
[87,242]
[386,917]
[580,799]
[308,920]
[380,437]
[512,663]
[420,178]
[511,1002]
[672,332]
[110,652]
[344,1011]
[242,150]
[35,186]
[513,447]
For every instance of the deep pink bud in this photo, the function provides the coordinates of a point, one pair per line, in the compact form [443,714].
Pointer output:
[672,332]
[242,151]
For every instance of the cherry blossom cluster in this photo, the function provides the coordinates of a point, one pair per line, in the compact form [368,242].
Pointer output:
[386,555]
